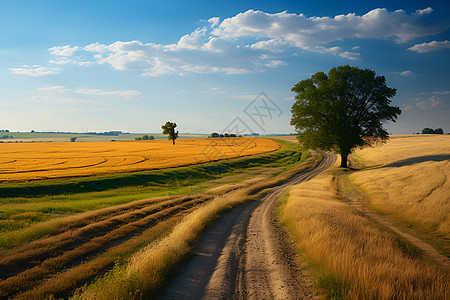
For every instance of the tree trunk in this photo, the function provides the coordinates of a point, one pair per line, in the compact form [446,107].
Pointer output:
[173,141]
[344,160]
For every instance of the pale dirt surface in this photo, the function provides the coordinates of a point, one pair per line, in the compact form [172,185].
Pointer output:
[246,255]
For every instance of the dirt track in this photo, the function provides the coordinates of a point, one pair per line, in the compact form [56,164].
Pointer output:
[246,255]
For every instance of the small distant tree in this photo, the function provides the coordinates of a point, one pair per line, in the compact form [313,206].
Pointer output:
[151,137]
[221,135]
[226,134]
[169,128]
[214,135]
[439,131]
[145,137]
[138,138]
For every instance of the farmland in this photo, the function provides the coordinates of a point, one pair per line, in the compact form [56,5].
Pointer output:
[31,161]
[412,185]
[382,230]
[60,233]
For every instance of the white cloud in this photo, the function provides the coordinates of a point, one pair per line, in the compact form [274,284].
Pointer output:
[60,61]
[425,11]
[214,21]
[272,45]
[275,63]
[100,92]
[307,33]
[96,47]
[55,88]
[254,41]
[34,71]
[431,46]
[64,50]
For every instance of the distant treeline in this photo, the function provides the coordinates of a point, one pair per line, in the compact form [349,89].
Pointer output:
[432,131]
[217,135]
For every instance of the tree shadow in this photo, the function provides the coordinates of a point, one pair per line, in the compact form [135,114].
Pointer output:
[419,159]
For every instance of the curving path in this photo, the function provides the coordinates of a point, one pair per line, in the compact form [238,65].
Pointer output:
[246,255]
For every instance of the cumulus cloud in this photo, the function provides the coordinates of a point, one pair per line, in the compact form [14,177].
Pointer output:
[307,33]
[254,41]
[63,50]
[34,71]
[100,92]
[431,46]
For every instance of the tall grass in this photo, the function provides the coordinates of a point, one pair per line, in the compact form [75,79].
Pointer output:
[355,258]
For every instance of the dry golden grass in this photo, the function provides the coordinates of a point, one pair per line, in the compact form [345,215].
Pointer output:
[413,183]
[30,161]
[368,262]
[401,147]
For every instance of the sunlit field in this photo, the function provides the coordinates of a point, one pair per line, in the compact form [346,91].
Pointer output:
[412,183]
[32,161]
[58,243]
[355,258]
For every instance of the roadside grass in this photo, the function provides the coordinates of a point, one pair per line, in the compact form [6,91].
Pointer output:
[351,256]
[32,209]
[148,269]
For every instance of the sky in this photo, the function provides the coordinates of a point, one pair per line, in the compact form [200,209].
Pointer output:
[211,66]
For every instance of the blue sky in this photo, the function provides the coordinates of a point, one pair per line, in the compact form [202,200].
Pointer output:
[133,65]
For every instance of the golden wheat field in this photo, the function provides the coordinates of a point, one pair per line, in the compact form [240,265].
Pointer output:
[369,262]
[31,161]
[412,183]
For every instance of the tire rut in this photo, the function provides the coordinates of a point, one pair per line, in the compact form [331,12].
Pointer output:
[76,247]
[251,258]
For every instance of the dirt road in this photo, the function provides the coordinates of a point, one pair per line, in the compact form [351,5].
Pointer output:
[246,255]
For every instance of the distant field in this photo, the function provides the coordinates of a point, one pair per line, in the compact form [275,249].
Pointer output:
[412,183]
[83,137]
[31,161]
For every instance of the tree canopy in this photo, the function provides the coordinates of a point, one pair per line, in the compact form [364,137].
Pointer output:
[342,110]
[169,128]
[427,130]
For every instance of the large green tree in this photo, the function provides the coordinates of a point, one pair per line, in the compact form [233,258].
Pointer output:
[169,128]
[342,110]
